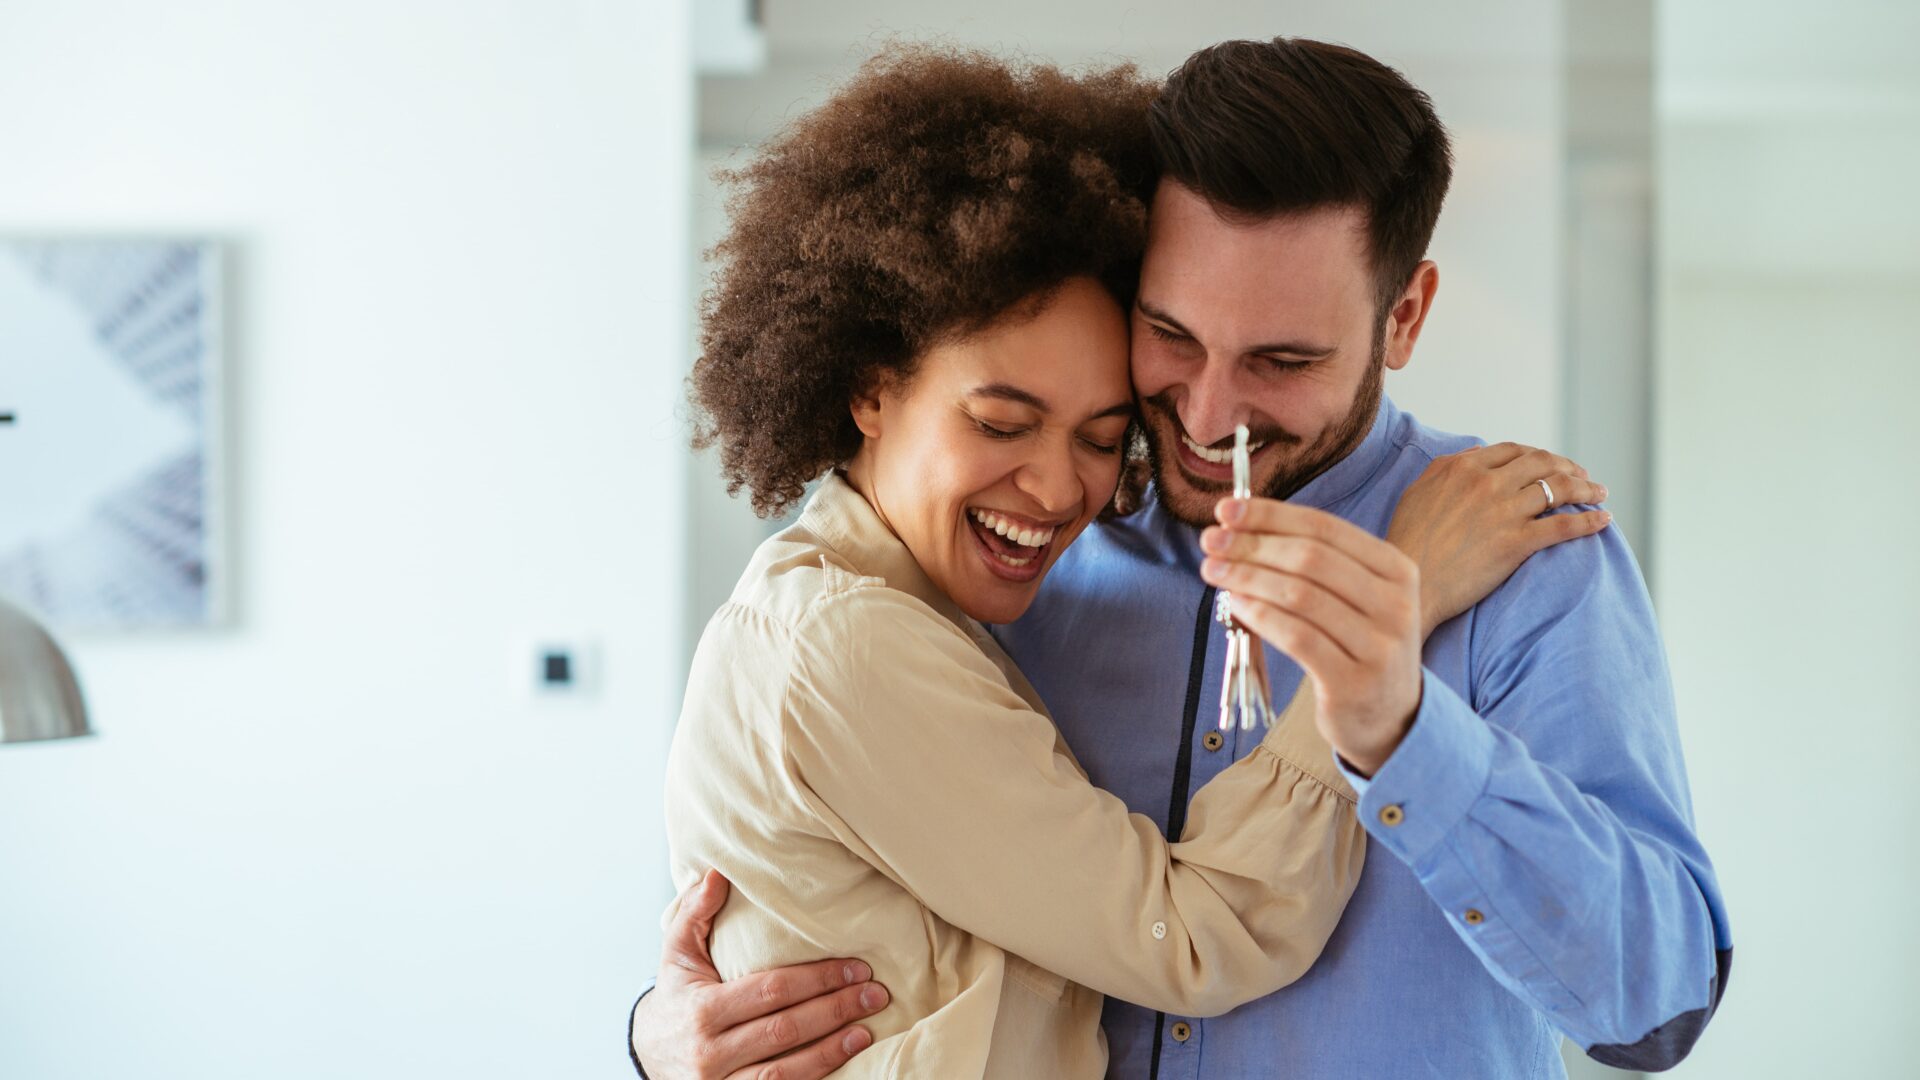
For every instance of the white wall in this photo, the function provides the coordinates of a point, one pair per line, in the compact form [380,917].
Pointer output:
[332,840]
[1788,589]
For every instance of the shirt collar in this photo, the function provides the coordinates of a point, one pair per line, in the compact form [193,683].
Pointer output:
[846,523]
[1352,472]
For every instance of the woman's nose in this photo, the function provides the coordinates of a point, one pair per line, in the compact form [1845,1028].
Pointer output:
[1051,480]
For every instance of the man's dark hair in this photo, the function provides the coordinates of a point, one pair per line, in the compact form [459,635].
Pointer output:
[1260,128]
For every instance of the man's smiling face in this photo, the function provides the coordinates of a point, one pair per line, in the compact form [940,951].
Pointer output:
[1269,323]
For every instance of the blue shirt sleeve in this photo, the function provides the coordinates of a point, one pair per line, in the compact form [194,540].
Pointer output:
[1549,816]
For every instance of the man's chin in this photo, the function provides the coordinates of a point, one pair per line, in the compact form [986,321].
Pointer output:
[1188,499]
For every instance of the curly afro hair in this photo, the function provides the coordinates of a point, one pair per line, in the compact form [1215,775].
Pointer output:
[935,193]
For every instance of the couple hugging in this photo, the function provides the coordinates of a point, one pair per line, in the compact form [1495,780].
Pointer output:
[947,797]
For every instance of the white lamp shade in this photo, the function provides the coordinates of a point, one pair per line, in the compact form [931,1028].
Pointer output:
[39,696]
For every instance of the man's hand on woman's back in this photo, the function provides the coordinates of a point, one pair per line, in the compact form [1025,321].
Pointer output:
[791,1023]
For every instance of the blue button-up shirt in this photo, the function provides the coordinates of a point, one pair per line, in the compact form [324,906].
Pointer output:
[1538,873]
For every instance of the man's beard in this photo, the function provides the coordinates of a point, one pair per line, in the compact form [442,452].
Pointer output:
[1302,463]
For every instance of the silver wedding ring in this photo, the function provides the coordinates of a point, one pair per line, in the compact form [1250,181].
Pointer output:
[1549,491]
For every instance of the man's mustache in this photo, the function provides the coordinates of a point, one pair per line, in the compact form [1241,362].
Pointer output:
[1270,433]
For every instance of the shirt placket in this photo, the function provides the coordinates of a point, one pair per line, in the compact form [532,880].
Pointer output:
[1179,1049]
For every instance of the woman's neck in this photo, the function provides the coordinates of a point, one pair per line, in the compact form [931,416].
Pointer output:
[859,476]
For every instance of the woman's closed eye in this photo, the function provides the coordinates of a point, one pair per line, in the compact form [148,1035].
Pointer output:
[997,431]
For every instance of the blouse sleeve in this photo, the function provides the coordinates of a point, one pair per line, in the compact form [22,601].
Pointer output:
[912,748]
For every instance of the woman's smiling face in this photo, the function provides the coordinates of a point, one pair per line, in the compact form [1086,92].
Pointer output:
[1002,447]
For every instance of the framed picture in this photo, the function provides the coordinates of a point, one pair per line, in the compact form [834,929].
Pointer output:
[110,363]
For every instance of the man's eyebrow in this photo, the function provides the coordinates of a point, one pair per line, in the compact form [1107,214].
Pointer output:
[1157,315]
[1284,348]
[1295,348]
[1010,392]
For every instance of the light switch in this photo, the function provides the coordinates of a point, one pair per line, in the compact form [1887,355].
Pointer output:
[560,667]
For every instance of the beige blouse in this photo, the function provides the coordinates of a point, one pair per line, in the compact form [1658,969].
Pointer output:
[878,781]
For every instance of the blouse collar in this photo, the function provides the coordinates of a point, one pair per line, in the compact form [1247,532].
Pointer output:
[843,519]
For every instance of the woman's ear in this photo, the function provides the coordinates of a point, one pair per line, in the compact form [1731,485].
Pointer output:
[867,410]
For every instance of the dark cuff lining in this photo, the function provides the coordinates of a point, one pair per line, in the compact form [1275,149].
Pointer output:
[1665,1046]
[633,1055]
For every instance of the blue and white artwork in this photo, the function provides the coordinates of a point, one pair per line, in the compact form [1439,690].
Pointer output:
[110,356]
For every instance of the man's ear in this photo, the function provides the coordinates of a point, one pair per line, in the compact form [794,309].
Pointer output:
[1409,314]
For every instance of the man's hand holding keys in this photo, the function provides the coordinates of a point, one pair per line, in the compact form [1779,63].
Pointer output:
[1340,601]
[1355,611]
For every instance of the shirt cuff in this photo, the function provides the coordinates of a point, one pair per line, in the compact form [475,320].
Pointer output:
[1431,780]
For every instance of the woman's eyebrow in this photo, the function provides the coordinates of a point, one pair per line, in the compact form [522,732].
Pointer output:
[1010,392]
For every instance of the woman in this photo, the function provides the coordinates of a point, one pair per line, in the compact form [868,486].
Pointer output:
[924,298]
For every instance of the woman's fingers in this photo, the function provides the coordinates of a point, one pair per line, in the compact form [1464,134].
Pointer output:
[1535,464]
[1567,489]
[1493,455]
[1554,529]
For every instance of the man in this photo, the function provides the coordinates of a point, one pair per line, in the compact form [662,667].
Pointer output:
[1534,869]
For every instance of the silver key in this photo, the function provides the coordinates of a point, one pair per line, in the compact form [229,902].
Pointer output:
[1244,689]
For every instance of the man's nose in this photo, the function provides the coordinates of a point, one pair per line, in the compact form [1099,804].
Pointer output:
[1213,406]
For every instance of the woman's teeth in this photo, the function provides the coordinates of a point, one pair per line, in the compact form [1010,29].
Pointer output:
[1033,538]
[1217,457]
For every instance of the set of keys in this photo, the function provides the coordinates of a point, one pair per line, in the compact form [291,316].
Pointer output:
[1244,690]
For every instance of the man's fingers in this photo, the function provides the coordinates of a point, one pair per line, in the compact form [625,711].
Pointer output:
[1310,647]
[764,993]
[684,946]
[1336,618]
[1274,516]
[811,1062]
[801,1025]
[1315,560]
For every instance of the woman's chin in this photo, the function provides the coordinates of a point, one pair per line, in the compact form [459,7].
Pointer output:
[997,606]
